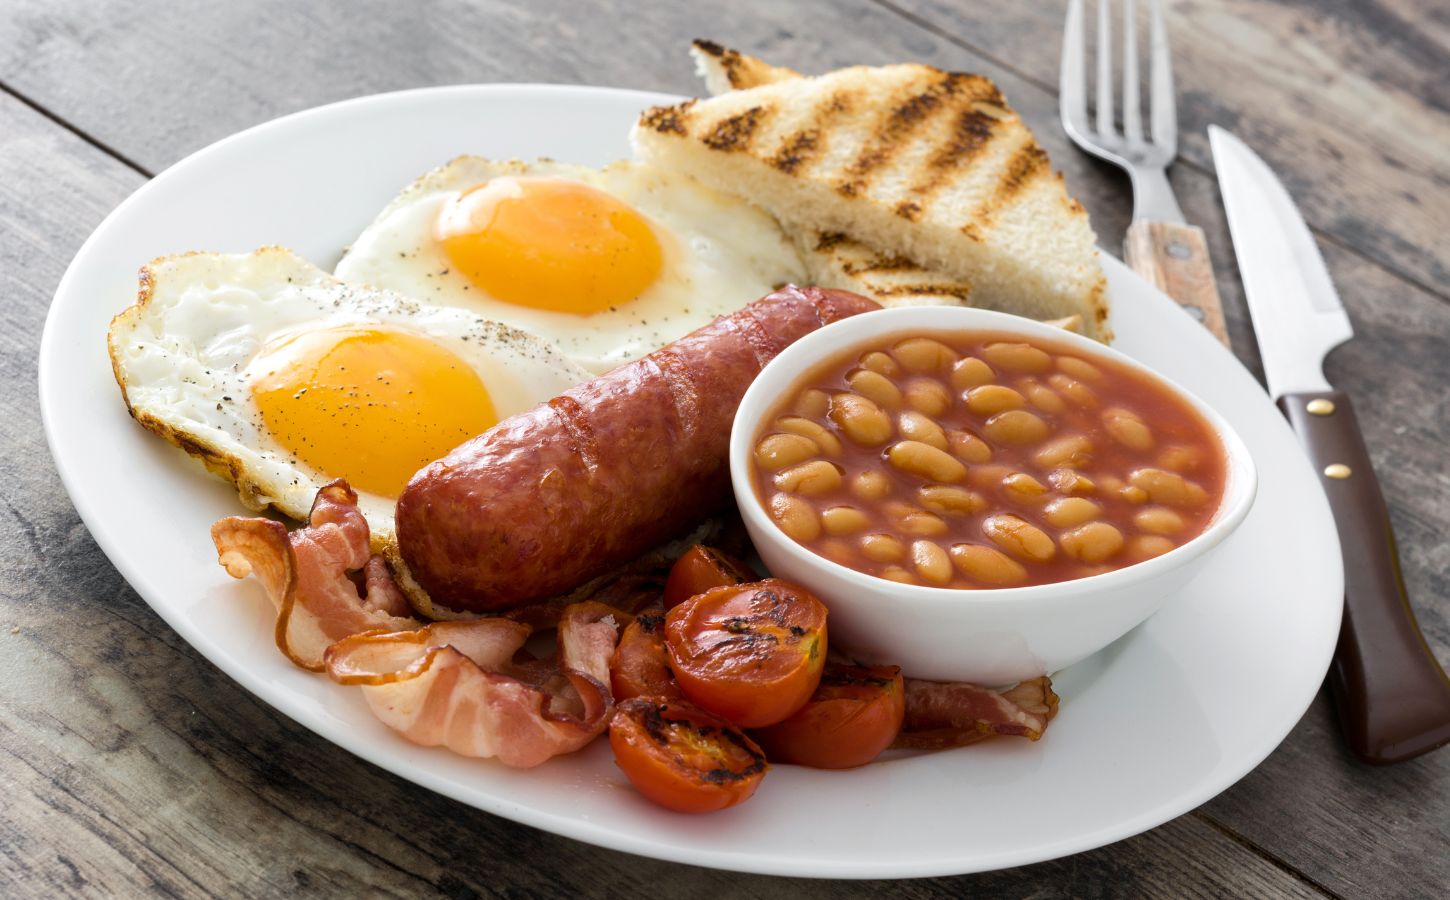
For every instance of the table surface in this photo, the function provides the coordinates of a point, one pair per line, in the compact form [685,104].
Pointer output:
[133,765]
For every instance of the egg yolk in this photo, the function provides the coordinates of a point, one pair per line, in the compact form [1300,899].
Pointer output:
[369,405]
[550,244]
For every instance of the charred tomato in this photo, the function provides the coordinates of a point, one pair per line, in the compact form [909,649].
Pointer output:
[700,568]
[640,666]
[855,713]
[683,758]
[750,653]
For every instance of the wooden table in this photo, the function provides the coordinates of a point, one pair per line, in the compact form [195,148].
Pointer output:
[132,765]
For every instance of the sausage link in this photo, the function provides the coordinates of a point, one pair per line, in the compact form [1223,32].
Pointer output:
[574,488]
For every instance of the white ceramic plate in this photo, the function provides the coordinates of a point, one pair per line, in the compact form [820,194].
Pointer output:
[1155,725]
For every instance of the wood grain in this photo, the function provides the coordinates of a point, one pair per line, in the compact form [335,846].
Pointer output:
[1348,100]
[135,766]
[1174,258]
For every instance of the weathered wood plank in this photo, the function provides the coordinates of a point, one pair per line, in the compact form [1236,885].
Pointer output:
[135,766]
[156,85]
[1353,97]
[1361,122]
[1355,830]
[221,767]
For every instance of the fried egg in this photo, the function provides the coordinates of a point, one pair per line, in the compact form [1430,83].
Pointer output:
[608,264]
[283,378]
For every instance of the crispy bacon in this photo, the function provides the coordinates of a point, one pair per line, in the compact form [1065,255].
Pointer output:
[941,715]
[466,686]
[322,578]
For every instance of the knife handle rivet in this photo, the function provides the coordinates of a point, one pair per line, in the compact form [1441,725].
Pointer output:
[1320,406]
[1178,250]
[1337,471]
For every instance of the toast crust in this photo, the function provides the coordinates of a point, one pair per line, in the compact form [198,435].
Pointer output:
[729,70]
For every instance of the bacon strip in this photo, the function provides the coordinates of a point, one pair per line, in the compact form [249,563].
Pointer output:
[309,575]
[941,715]
[458,684]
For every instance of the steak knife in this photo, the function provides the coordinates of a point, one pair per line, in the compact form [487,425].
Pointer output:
[1392,696]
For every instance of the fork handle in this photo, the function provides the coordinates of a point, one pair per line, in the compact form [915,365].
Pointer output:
[1175,259]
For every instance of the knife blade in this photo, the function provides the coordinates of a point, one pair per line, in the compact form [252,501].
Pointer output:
[1392,696]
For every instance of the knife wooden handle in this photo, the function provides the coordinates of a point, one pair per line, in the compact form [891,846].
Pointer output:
[1175,259]
[1393,697]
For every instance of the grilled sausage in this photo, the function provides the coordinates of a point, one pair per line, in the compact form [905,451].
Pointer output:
[575,487]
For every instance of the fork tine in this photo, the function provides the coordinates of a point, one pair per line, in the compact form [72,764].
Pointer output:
[1132,110]
[1106,128]
[1163,113]
[1072,77]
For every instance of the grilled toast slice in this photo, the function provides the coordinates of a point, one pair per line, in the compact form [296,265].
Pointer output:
[931,167]
[833,258]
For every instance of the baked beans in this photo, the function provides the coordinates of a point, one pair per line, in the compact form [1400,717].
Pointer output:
[981,460]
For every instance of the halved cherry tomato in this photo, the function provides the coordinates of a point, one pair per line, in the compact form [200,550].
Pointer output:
[751,653]
[854,715]
[640,666]
[700,568]
[684,758]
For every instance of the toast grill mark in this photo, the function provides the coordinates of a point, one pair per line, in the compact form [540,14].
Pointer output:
[862,264]
[879,263]
[731,61]
[893,132]
[885,264]
[735,133]
[676,375]
[797,149]
[828,241]
[667,119]
[972,131]
[958,291]
[717,51]
[809,143]
[1025,166]
[581,436]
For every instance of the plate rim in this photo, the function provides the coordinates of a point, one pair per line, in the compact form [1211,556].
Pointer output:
[294,705]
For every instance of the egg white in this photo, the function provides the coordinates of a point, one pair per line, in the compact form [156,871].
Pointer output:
[720,253]
[182,357]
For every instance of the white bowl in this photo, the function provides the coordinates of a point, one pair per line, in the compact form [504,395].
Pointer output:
[991,637]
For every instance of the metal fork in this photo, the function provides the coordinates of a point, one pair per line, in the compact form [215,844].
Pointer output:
[1159,245]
